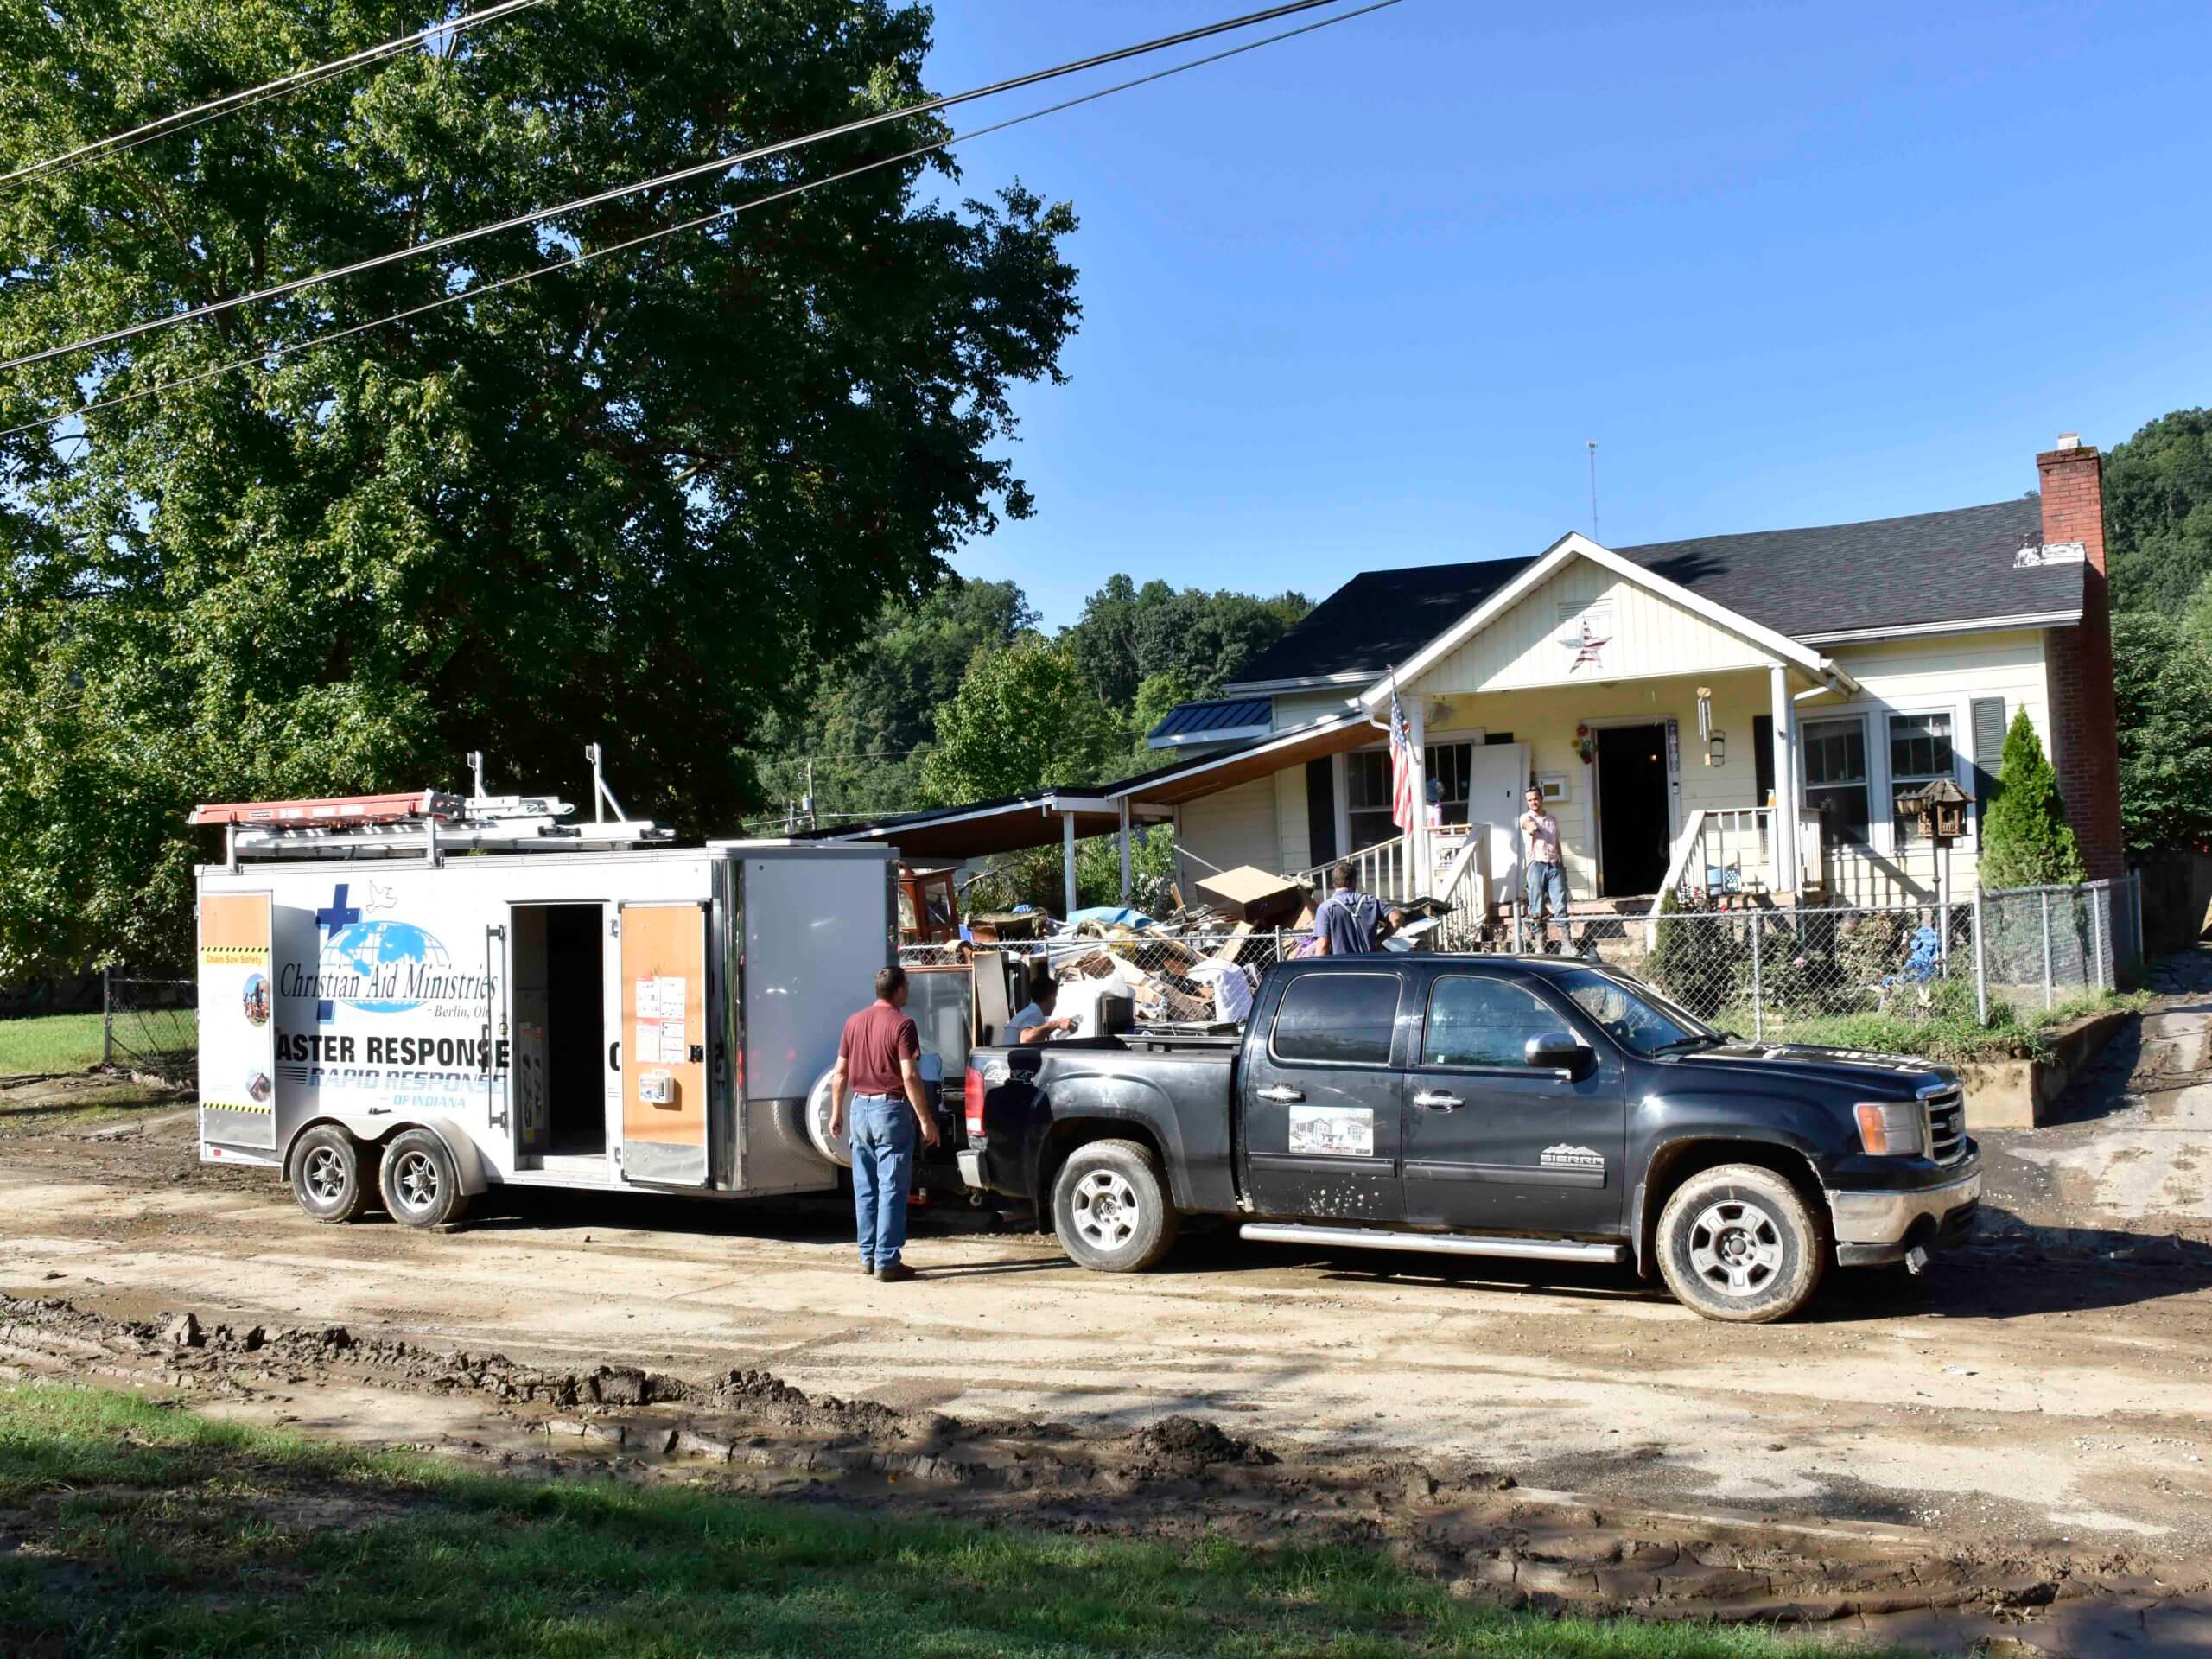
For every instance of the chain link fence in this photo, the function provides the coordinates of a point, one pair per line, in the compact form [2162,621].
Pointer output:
[150,1027]
[1810,974]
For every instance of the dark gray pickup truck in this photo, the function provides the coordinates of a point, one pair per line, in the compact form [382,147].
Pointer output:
[1498,1106]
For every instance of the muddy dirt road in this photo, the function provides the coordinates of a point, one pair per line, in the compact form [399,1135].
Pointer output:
[2048,1400]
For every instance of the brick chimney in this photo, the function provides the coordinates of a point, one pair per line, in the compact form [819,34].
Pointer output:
[2086,728]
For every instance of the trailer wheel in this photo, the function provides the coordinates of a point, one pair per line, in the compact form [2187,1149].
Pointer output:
[421,1188]
[330,1178]
[1110,1207]
[1739,1243]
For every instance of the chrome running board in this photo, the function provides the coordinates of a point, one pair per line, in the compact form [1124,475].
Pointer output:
[1369,1238]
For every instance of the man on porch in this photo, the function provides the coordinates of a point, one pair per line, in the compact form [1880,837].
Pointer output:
[1542,873]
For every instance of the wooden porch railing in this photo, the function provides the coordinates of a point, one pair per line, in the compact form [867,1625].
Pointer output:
[1724,850]
[1384,869]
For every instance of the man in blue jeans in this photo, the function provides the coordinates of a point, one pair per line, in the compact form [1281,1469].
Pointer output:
[880,1072]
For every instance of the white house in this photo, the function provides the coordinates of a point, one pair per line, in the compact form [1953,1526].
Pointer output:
[1732,713]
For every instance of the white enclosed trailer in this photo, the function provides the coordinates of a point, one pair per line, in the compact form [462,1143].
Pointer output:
[423,997]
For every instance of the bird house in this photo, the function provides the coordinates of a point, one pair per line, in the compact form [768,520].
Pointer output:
[1941,808]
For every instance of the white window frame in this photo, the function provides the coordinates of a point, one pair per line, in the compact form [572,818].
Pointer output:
[1473,736]
[1875,716]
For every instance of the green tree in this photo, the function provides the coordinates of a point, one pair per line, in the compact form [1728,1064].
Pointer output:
[1024,719]
[869,722]
[2159,512]
[2162,687]
[2025,840]
[1127,634]
[637,501]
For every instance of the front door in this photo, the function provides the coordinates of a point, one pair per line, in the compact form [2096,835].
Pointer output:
[1492,1146]
[1321,1100]
[663,1044]
[1634,828]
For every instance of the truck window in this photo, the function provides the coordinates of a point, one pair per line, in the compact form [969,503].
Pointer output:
[1473,1021]
[1336,1020]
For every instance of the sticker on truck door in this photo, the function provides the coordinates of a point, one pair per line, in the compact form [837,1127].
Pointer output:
[1332,1131]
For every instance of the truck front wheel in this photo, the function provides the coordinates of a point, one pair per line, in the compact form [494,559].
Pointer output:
[1739,1243]
[1110,1207]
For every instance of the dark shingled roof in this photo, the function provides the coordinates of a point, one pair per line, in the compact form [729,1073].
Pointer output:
[1891,572]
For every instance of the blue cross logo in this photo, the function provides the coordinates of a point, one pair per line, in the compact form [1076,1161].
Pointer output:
[340,914]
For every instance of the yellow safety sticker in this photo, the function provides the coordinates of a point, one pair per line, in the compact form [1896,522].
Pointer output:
[263,1108]
[233,953]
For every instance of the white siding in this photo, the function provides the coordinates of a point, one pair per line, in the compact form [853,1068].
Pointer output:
[1219,832]
[1645,635]
[1293,834]
[1296,708]
[1938,676]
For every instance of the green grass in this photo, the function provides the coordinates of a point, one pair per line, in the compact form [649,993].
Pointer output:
[49,1043]
[1948,1033]
[150,1531]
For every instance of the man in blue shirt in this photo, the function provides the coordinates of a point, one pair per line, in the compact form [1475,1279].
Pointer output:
[1350,922]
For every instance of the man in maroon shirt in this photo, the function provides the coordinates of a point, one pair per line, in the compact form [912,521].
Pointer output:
[880,1070]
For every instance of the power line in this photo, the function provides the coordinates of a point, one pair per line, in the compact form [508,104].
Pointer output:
[585,257]
[231,103]
[722,164]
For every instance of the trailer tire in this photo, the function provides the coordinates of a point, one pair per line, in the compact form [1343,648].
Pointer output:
[1739,1243]
[1111,1208]
[420,1181]
[331,1173]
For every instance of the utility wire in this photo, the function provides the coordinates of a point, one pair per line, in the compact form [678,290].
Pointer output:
[721,163]
[585,257]
[184,120]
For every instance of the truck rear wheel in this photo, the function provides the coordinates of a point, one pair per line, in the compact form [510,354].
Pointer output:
[330,1173]
[1110,1207]
[1739,1243]
[421,1188]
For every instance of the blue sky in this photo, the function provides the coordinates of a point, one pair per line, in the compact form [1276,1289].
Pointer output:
[1359,299]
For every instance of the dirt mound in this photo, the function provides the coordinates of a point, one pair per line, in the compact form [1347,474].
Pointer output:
[764,1397]
[1182,1448]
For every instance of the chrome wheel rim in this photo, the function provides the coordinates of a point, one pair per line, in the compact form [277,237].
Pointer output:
[325,1175]
[416,1181]
[1736,1247]
[1107,1212]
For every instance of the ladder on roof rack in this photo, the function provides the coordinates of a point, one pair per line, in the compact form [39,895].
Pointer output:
[425,823]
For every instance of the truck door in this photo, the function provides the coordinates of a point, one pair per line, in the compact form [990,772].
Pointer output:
[1494,1145]
[238,1026]
[663,1044]
[1321,1100]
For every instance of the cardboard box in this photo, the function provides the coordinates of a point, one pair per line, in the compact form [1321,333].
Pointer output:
[1251,894]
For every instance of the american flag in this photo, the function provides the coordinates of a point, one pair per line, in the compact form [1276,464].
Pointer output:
[1401,768]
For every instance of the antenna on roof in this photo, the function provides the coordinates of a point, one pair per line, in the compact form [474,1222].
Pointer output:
[476,771]
[1594,490]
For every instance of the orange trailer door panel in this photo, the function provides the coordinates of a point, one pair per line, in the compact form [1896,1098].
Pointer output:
[237,1029]
[663,1052]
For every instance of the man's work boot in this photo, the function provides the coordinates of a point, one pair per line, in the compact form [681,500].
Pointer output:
[894,1273]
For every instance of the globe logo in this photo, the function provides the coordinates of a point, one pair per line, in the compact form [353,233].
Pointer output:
[384,960]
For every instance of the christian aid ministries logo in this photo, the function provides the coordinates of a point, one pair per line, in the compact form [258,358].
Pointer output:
[380,965]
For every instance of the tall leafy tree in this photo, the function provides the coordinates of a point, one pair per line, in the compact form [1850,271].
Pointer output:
[2158,511]
[2162,687]
[636,501]
[868,726]
[1127,634]
[1024,719]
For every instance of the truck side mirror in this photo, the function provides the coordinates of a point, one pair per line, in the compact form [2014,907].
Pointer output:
[1559,1050]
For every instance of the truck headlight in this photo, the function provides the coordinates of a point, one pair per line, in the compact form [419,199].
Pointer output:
[1893,1128]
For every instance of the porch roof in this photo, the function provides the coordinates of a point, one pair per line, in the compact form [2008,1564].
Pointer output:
[1004,825]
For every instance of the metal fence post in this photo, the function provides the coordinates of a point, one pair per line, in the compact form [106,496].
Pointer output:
[1758,992]
[2099,903]
[1981,967]
[107,1018]
[2044,894]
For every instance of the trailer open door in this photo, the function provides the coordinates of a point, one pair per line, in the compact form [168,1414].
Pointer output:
[238,1026]
[663,1044]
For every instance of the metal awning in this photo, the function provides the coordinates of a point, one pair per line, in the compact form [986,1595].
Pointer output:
[1036,819]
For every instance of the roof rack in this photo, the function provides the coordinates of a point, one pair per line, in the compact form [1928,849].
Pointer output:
[425,823]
